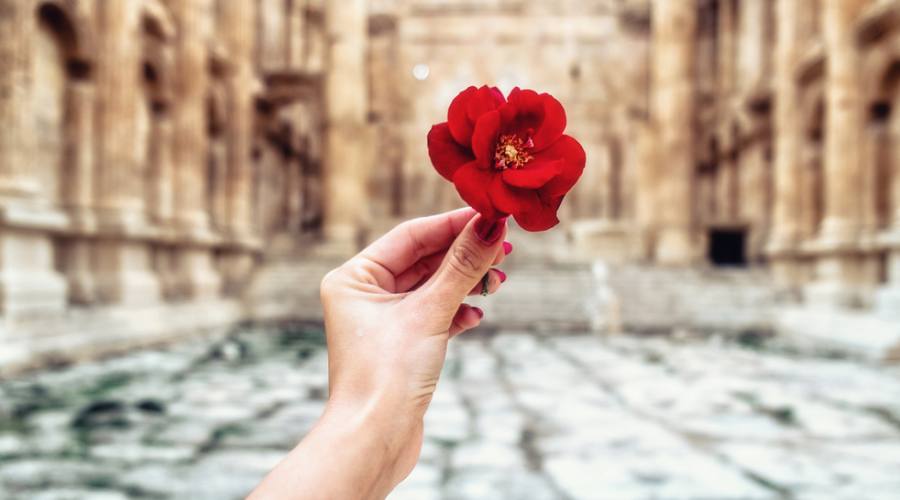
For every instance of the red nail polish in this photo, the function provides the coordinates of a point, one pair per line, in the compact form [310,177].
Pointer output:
[489,231]
[507,248]
[501,274]
[479,312]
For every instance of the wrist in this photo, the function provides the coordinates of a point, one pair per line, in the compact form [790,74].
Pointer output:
[388,417]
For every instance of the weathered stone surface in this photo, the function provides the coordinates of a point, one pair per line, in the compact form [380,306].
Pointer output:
[173,167]
[516,415]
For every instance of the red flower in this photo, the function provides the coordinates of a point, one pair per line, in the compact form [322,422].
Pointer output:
[508,156]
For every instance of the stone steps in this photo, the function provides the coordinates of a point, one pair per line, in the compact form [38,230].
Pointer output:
[709,299]
[552,295]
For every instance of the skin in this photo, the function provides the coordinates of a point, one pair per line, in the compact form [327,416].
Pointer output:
[389,314]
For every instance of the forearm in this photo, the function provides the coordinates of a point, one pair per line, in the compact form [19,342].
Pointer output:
[350,453]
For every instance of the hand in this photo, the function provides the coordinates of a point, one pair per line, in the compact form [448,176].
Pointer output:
[389,313]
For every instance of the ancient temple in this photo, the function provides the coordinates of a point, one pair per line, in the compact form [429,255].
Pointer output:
[155,154]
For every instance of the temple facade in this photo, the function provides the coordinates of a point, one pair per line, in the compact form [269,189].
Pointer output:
[774,142]
[155,153]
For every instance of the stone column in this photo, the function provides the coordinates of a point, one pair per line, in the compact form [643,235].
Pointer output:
[120,190]
[17,23]
[78,197]
[162,190]
[751,43]
[788,134]
[645,194]
[28,282]
[727,192]
[189,115]
[727,52]
[123,263]
[345,122]
[238,25]
[887,299]
[753,207]
[674,28]
[839,269]
[198,277]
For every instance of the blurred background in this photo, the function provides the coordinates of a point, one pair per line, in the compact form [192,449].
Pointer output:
[717,315]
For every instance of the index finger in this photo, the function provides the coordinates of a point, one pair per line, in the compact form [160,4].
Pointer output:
[414,239]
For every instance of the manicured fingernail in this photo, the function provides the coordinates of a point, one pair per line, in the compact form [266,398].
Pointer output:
[501,274]
[489,231]
[479,312]
[507,248]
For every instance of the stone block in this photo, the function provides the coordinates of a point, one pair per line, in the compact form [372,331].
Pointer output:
[124,273]
[853,333]
[199,279]
[29,285]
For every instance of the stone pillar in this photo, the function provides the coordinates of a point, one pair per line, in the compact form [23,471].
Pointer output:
[645,206]
[190,115]
[120,190]
[752,186]
[788,134]
[273,46]
[674,28]
[17,20]
[238,24]
[162,189]
[839,269]
[727,192]
[727,45]
[887,299]
[198,277]
[345,122]
[28,282]
[78,190]
[123,263]
[751,60]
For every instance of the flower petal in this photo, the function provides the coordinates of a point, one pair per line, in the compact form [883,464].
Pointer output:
[458,119]
[540,117]
[485,99]
[572,155]
[445,153]
[554,123]
[541,219]
[484,139]
[534,175]
[512,200]
[472,184]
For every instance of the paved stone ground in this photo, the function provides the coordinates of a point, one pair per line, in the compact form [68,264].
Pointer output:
[517,416]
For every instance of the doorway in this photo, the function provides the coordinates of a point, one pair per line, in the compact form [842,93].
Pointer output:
[727,247]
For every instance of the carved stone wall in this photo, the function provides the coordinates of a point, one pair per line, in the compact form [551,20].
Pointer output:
[132,162]
[154,152]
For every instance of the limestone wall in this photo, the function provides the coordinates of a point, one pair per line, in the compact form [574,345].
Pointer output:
[140,142]
[154,152]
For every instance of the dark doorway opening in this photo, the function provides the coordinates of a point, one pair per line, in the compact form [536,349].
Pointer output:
[727,247]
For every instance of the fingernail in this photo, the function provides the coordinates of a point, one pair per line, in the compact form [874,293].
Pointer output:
[507,248]
[489,231]
[501,274]
[479,312]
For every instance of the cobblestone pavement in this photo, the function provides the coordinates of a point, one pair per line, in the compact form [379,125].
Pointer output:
[516,416]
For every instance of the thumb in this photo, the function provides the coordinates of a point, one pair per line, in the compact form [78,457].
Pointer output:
[468,259]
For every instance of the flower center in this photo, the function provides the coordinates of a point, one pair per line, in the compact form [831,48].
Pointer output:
[512,152]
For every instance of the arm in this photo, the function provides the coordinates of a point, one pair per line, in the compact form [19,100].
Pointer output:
[389,313]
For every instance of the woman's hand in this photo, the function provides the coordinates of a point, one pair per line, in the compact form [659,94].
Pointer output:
[389,313]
